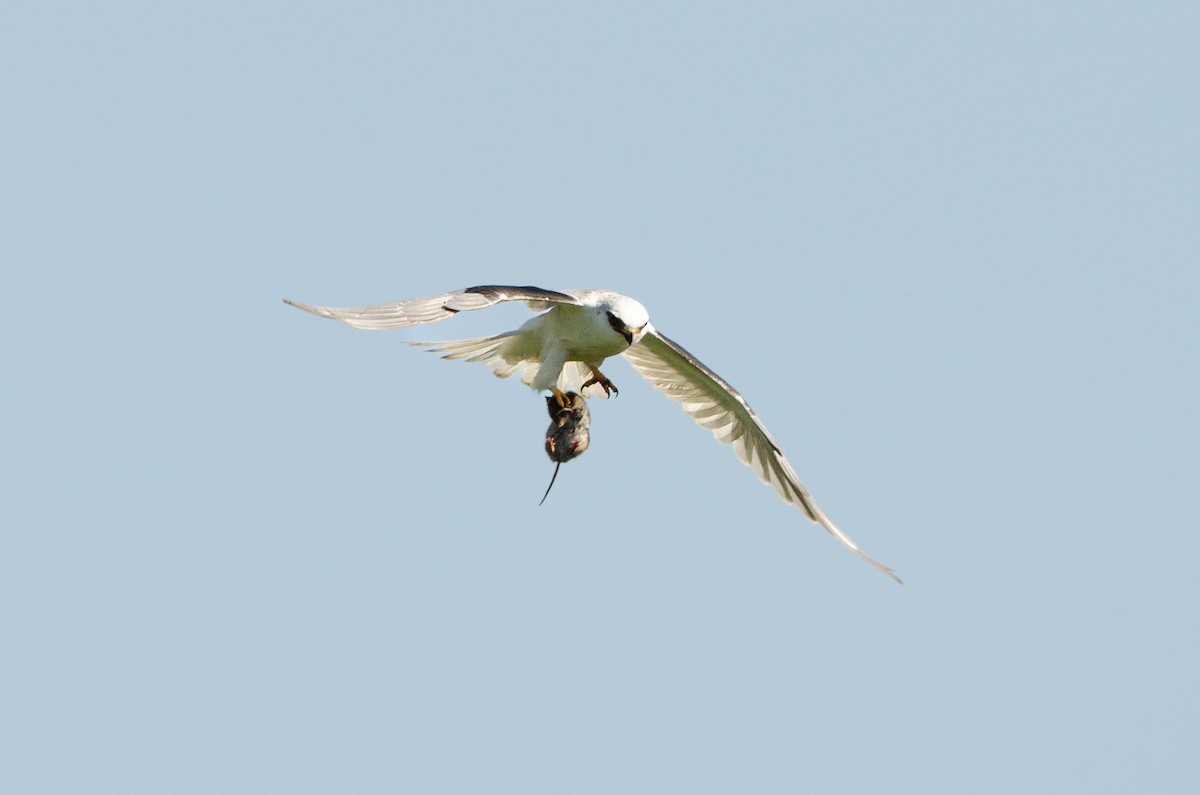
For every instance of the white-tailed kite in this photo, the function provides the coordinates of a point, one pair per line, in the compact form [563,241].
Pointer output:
[562,348]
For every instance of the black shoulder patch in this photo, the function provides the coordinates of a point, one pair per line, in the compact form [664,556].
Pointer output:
[527,293]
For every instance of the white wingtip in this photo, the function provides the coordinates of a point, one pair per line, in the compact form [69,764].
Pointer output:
[822,519]
[316,310]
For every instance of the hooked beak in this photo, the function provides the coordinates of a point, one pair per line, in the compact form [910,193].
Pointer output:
[630,334]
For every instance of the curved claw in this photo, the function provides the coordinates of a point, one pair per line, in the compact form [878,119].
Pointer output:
[599,378]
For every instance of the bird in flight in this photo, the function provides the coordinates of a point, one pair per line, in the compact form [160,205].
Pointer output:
[562,349]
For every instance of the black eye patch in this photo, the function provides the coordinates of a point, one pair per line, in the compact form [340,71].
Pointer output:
[619,327]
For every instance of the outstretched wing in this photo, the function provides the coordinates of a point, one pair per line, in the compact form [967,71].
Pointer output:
[716,405]
[438,307]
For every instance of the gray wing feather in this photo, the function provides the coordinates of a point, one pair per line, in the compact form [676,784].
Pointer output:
[716,405]
[417,311]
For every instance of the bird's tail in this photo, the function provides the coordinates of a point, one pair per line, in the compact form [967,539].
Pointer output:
[503,354]
[495,352]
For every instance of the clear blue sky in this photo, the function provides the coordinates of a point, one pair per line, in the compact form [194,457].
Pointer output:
[949,253]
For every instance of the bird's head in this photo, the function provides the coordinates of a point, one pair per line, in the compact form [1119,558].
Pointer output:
[627,317]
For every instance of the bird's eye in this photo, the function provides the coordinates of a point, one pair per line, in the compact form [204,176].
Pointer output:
[620,327]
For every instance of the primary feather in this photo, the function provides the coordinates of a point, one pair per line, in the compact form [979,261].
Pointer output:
[714,404]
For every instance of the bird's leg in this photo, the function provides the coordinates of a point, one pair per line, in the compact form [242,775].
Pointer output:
[598,378]
[560,397]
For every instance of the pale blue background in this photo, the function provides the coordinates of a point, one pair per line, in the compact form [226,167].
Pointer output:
[948,251]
